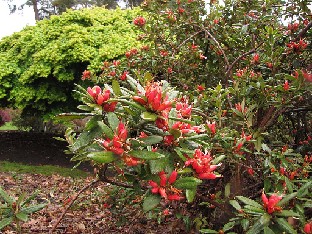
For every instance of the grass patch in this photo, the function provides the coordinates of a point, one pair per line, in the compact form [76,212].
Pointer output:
[8,126]
[20,168]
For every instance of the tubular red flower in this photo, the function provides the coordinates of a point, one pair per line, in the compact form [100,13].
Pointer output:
[173,177]
[271,203]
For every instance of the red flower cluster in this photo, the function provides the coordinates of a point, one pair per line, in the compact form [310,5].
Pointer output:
[270,204]
[297,47]
[154,98]
[86,75]
[212,127]
[201,163]
[293,27]
[139,21]
[131,53]
[101,97]
[118,145]
[307,76]
[184,109]
[286,85]
[165,188]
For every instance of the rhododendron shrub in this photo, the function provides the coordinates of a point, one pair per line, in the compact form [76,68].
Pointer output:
[213,110]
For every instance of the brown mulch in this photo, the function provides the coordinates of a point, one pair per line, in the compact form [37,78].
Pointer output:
[95,211]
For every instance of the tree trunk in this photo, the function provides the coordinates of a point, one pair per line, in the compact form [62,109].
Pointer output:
[35,6]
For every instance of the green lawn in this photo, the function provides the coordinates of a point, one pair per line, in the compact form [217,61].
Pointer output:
[8,126]
[19,168]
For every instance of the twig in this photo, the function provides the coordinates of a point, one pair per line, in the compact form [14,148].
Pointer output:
[230,67]
[72,202]
[303,32]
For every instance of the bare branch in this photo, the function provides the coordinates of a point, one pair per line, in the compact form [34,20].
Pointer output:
[72,202]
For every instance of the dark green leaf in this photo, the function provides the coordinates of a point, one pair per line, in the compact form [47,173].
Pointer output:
[150,202]
[228,226]
[22,216]
[102,157]
[6,197]
[106,130]
[248,201]
[267,230]
[287,213]
[208,231]
[187,183]
[5,222]
[113,120]
[34,208]
[285,226]
[235,204]
[262,222]
[147,155]
[151,140]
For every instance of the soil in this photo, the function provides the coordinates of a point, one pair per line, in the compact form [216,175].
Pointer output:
[35,148]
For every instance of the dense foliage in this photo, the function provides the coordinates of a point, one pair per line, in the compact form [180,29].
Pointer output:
[232,139]
[40,64]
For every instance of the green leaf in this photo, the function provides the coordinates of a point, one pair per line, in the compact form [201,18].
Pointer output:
[245,224]
[5,222]
[72,116]
[116,87]
[85,108]
[208,231]
[248,201]
[102,157]
[262,222]
[106,130]
[151,140]
[187,183]
[148,76]
[228,226]
[34,208]
[218,159]
[304,189]
[235,204]
[287,213]
[150,202]
[149,116]
[113,120]
[159,165]
[6,197]
[190,194]
[267,230]
[20,199]
[286,199]
[147,155]
[22,216]
[285,226]
[30,198]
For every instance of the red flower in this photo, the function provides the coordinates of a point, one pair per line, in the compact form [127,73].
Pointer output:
[184,109]
[250,171]
[201,163]
[286,85]
[139,21]
[165,188]
[293,27]
[255,59]
[200,88]
[307,76]
[212,127]
[98,96]
[124,75]
[86,75]
[168,140]
[155,98]
[308,228]
[270,204]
